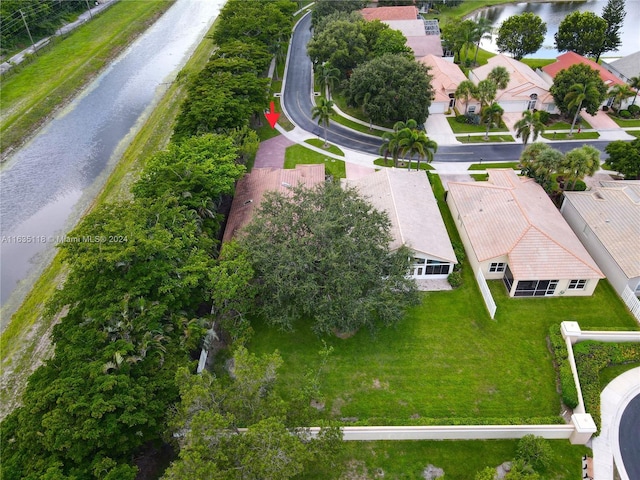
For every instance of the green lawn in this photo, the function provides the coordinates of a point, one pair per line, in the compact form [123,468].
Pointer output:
[635,133]
[299,154]
[341,102]
[537,62]
[458,127]
[626,123]
[484,166]
[32,93]
[481,139]
[356,126]
[575,136]
[609,373]
[567,125]
[316,142]
[460,460]
[423,165]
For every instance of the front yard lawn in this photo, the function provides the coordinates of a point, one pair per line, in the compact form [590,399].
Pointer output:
[296,154]
[626,123]
[481,139]
[575,136]
[316,142]
[484,166]
[458,127]
[402,164]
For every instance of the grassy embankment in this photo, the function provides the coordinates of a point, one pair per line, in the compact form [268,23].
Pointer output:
[19,340]
[35,91]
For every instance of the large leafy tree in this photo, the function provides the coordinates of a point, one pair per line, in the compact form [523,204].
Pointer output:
[579,162]
[399,88]
[341,43]
[459,36]
[529,125]
[577,74]
[613,13]
[322,256]
[322,112]
[624,157]
[521,35]
[581,32]
[323,8]
[391,41]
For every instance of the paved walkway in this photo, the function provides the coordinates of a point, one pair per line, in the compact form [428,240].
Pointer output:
[439,130]
[271,152]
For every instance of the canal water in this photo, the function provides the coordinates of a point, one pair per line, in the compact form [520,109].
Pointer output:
[46,185]
[553,13]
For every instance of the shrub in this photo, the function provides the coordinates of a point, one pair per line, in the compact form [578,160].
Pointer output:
[559,350]
[455,279]
[634,109]
[544,116]
[578,186]
[461,118]
[624,114]
[534,451]
[461,255]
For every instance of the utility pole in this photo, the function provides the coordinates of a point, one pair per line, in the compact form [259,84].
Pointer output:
[89,8]
[27,27]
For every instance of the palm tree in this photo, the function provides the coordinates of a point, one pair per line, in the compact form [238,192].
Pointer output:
[323,111]
[529,124]
[500,76]
[634,82]
[327,76]
[416,142]
[466,90]
[483,31]
[539,161]
[579,162]
[486,92]
[491,114]
[390,146]
[467,36]
[620,92]
[576,96]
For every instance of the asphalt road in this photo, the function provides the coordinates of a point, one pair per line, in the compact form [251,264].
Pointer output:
[629,438]
[297,102]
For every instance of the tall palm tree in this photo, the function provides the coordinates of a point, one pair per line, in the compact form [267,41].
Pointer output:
[466,90]
[483,31]
[576,96]
[529,124]
[486,92]
[467,36]
[634,82]
[620,92]
[500,76]
[491,114]
[416,142]
[391,146]
[327,76]
[579,162]
[323,111]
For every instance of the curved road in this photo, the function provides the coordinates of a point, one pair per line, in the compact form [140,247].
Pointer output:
[297,104]
[629,438]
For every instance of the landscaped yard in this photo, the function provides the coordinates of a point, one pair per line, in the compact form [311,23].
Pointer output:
[402,164]
[484,166]
[626,123]
[481,139]
[316,142]
[460,460]
[458,127]
[299,154]
[575,136]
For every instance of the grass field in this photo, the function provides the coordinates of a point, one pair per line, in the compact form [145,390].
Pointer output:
[316,142]
[298,154]
[458,127]
[30,95]
[460,460]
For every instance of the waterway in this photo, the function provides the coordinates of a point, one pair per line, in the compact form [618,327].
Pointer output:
[553,13]
[47,185]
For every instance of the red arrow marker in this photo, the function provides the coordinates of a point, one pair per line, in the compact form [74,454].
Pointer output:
[272,116]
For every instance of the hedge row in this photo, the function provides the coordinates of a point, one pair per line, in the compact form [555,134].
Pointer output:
[561,355]
[450,421]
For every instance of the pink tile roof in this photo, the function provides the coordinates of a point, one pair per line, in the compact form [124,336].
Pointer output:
[513,216]
[425,45]
[446,76]
[571,58]
[390,13]
[251,188]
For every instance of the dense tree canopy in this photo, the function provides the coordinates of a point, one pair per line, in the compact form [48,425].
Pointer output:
[521,34]
[580,74]
[581,32]
[322,255]
[613,13]
[322,8]
[341,43]
[624,157]
[395,88]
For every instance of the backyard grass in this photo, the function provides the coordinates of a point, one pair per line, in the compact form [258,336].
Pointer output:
[402,164]
[537,62]
[458,127]
[575,136]
[484,166]
[316,142]
[31,94]
[298,154]
[460,460]
[481,139]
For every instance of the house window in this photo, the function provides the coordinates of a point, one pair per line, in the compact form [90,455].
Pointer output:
[472,109]
[496,267]
[452,100]
[435,267]
[577,284]
[533,100]
[535,288]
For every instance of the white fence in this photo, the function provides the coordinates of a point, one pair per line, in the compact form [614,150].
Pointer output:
[631,301]
[486,294]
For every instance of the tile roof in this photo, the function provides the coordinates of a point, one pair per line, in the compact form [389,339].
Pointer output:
[409,28]
[628,66]
[425,45]
[446,76]
[513,216]
[251,188]
[572,58]
[390,13]
[612,212]
[523,80]
[409,201]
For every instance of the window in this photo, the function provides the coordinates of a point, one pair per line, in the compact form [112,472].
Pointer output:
[495,267]
[422,266]
[472,109]
[535,288]
[577,284]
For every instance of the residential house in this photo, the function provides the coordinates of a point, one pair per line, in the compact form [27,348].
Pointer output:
[568,59]
[607,221]
[415,219]
[626,67]
[251,189]
[526,90]
[512,231]
[446,76]
[423,36]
